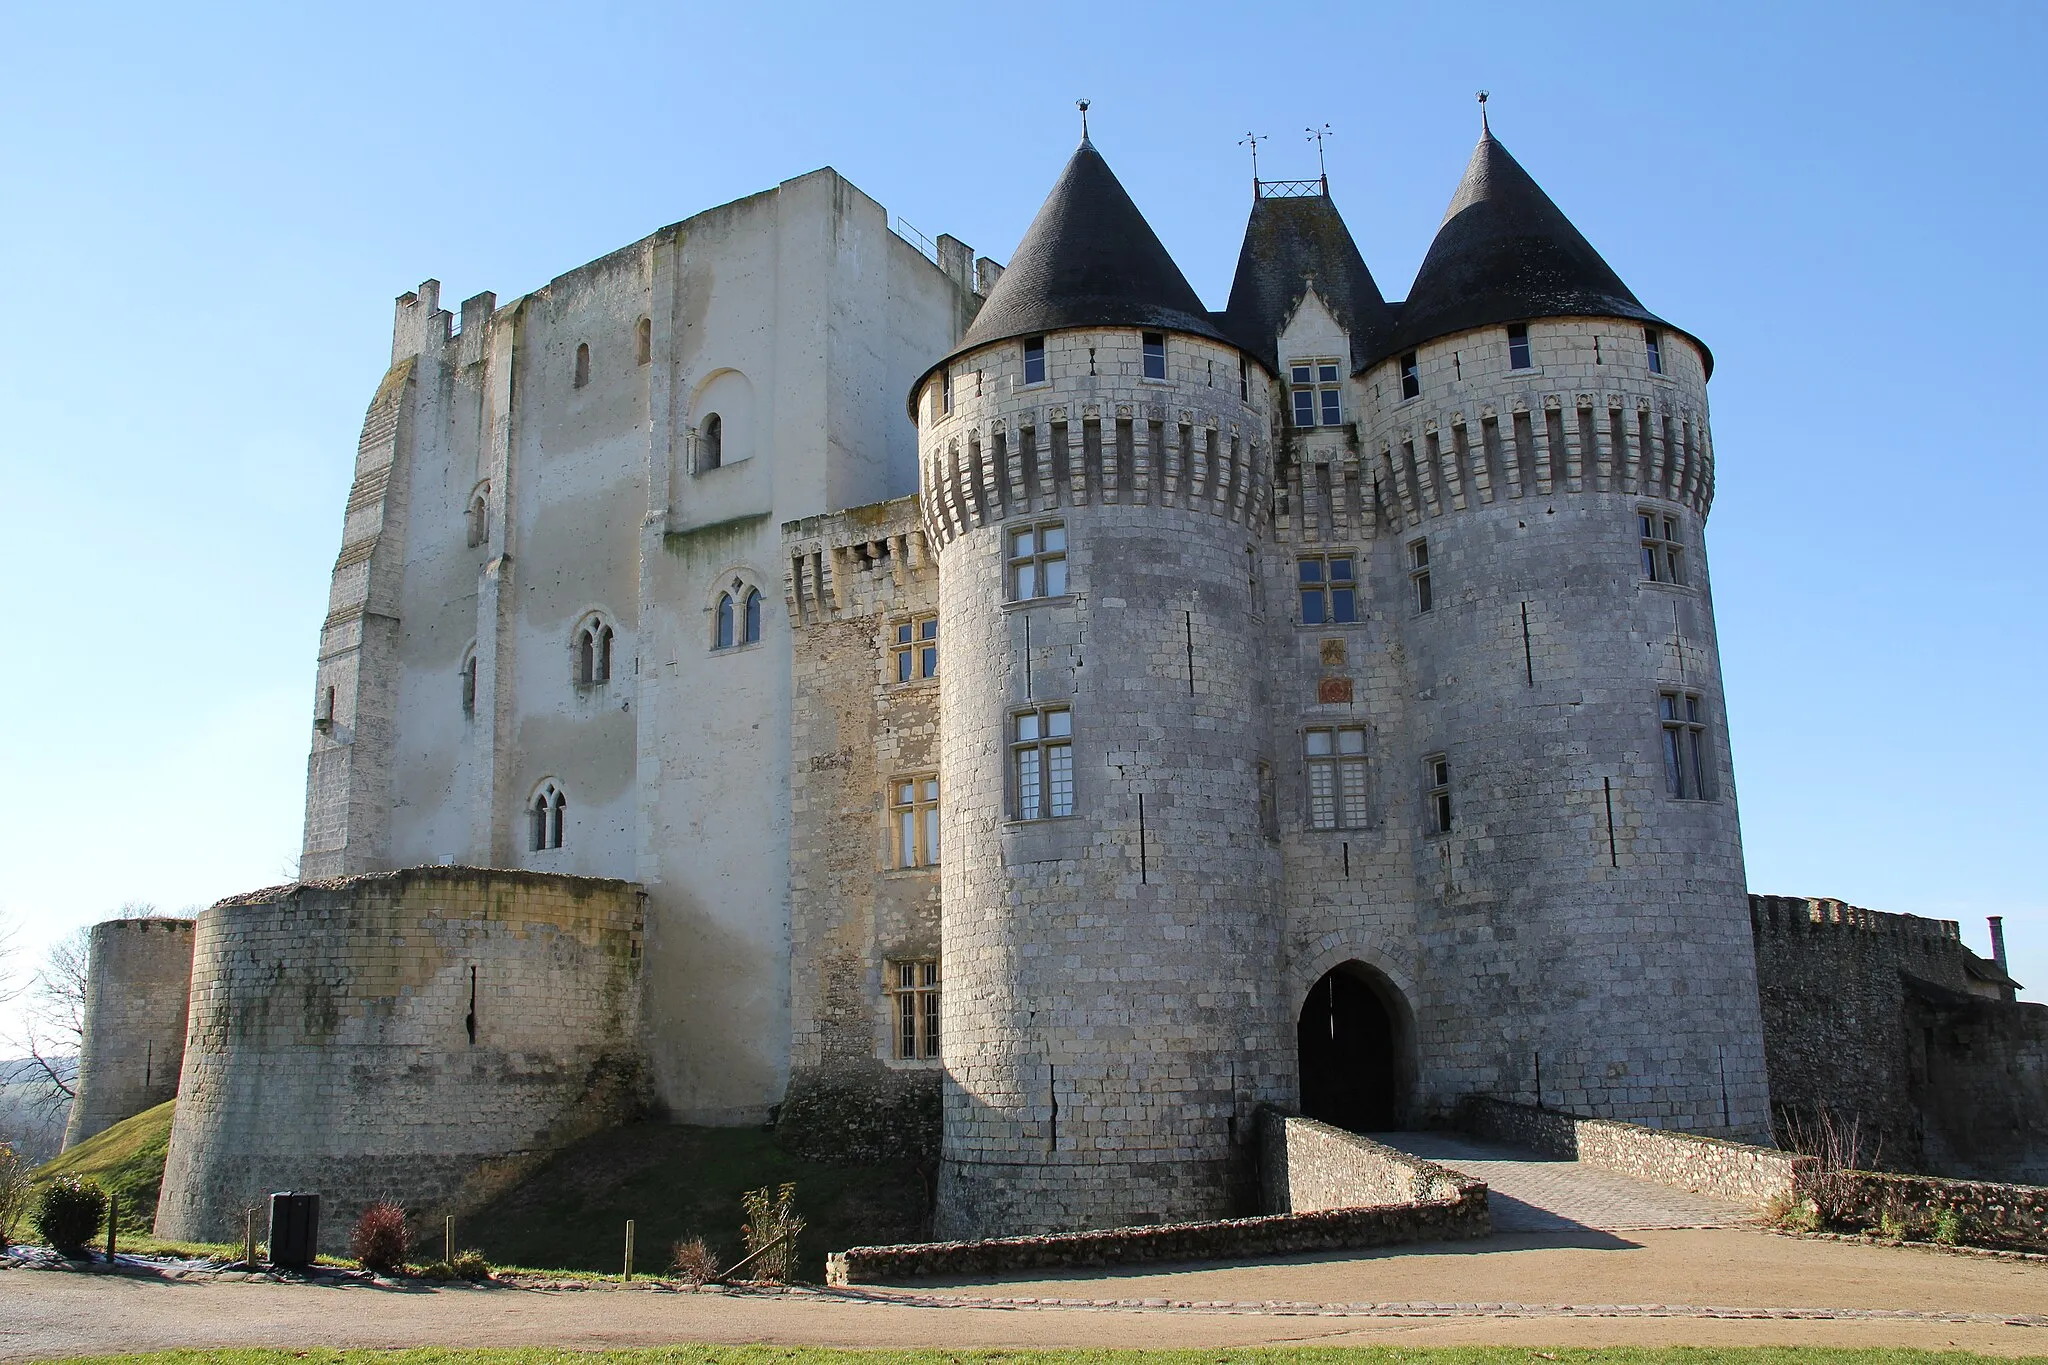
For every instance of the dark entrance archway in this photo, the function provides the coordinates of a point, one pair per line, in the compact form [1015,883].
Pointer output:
[1353,1047]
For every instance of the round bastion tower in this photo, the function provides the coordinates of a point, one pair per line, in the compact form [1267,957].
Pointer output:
[1092,462]
[1542,445]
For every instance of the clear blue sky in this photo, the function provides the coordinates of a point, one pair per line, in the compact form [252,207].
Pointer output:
[209,210]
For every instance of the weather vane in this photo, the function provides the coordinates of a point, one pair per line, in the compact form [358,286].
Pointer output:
[1482,113]
[1316,135]
[1082,105]
[1252,140]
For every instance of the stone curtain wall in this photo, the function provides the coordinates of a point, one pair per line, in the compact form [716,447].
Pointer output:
[1306,1166]
[1870,1016]
[853,578]
[137,988]
[1727,1170]
[336,1043]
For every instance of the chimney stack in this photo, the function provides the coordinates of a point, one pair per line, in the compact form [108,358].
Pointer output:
[1998,940]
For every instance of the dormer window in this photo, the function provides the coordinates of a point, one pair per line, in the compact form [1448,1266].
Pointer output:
[1656,350]
[1411,377]
[1518,347]
[1318,393]
[1034,360]
[1155,355]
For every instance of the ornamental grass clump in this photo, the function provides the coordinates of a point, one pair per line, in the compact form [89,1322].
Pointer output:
[379,1241]
[69,1212]
[695,1261]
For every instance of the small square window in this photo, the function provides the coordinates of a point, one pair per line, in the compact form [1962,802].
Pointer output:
[1411,377]
[1317,392]
[1518,347]
[1034,360]
[1038,561]
[1155,355]
[917,649]
[1329,589]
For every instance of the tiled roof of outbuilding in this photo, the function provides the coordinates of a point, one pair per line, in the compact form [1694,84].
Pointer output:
[1506,253]
[1287,243]
[1089,259]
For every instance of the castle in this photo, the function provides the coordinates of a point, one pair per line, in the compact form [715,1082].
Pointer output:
[772,671]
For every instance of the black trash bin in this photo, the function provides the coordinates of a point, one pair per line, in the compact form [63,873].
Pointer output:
[294,1229]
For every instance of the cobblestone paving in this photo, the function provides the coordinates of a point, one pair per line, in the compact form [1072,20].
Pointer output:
[1532,1193]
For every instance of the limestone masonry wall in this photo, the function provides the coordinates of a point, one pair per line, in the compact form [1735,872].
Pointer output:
[137,988]
[1306,1166]
[424,1036]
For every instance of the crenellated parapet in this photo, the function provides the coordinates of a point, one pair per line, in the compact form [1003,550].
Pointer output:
[1785,915]
[1093,432]
[1585,413]
[860,562]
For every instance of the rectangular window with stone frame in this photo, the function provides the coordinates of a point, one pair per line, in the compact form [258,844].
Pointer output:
[1418,575]
[914,821]
[1335,759]
[1436,777]
[1318,392]
[916,651]
[1328,585]
[1042,763]
[1038,561]
[914,1000]
[1683,716]
[1663,552]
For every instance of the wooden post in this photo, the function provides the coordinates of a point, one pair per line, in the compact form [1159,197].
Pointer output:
[448,1239]
[629,1249]
[249,1239]
[113,1217]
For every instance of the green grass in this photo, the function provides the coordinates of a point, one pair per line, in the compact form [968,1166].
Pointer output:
[127,1160]
[1315,1355]
[677,1182]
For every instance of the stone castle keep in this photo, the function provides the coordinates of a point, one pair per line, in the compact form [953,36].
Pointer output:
[772,672]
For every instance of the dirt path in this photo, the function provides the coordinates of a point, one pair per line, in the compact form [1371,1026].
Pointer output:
[46,1314]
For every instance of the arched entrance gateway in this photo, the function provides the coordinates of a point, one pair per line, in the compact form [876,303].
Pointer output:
[1356,1047]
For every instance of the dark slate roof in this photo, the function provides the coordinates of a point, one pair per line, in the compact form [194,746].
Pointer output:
[1506,253]
[1089,259]
[1287,243]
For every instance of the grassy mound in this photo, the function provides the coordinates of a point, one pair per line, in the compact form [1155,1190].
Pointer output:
[126,1161]
[677,1182]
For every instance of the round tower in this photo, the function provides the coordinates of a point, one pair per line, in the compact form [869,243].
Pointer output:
[1542,449]
[1092,459]
[137,987]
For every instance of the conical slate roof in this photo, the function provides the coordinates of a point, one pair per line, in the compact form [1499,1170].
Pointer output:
[1089,259]
[1506,253]
[1288,243]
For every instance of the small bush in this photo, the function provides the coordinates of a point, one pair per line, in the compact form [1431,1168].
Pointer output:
[1948,1227]
[1890,1224]
[379,1241]
[695,1261]
[467,1265]
[14,1189]
[69,1213]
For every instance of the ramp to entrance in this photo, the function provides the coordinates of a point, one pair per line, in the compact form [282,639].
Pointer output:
[1529,1192]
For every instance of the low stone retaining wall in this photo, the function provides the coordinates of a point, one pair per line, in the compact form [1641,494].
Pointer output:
[1280,1234]
[2008,1217]
[1307,1166]
[1735,1171]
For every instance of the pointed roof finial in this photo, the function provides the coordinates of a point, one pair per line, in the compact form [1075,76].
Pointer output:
[1484,131]
[1082,105]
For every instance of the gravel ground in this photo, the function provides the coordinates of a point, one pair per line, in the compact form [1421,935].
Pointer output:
[1648,1288]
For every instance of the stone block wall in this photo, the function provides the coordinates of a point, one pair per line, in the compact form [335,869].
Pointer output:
[1306,1167]
[137,990]
[1878,1018]
[1736,1171]
[426,1036]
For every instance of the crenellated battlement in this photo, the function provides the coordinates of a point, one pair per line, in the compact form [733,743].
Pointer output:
[1823,914]
[858,562]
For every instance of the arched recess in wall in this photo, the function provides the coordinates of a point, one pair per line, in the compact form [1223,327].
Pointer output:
[1355,1041]
[477,516]
[544,820]
[594,649]
[721,422]
[466,682]
[736,612]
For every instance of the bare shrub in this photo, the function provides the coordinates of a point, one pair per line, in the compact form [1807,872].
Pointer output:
[14,1188]
[379,1240]
[771,1231]
[695,1261]
[1838,1147]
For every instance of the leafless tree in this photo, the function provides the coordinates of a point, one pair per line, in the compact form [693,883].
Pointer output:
[54,1022]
